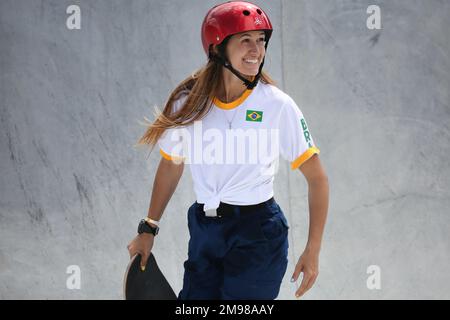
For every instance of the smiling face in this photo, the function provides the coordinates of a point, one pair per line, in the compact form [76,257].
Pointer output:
[246,51]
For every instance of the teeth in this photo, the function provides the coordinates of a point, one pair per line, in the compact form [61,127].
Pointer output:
[251,61]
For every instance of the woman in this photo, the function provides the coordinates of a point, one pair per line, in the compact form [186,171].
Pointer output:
[238,243]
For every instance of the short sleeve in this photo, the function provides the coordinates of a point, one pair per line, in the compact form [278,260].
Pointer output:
[296,142]
[171,141]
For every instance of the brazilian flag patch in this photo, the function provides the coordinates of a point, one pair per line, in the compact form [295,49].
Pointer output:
[254,116]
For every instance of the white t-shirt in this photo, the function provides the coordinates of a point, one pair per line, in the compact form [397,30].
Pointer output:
[238,165]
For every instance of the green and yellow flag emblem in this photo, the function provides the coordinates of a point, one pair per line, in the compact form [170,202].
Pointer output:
[254,116]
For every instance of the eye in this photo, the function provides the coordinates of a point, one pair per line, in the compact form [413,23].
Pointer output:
[262,39]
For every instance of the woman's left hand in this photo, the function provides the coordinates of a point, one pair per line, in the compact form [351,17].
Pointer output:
[308,263]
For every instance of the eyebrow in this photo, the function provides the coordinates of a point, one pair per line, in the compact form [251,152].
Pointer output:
[247,34]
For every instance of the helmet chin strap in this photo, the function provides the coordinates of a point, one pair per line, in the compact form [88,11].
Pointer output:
[249,84]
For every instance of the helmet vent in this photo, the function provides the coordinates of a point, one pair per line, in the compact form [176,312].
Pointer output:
[246,12]
[259,11]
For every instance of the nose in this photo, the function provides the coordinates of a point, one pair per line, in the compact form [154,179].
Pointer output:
[254,47]
[254,50]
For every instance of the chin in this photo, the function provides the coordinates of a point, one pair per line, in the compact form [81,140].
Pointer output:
[249,74]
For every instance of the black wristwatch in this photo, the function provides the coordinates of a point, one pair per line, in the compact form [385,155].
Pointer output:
[145,227]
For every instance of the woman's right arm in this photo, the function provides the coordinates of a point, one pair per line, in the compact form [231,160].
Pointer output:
[166,180]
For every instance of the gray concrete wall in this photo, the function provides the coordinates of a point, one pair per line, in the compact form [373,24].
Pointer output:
[72,187]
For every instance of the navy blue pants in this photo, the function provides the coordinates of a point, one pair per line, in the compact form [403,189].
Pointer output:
[239,256]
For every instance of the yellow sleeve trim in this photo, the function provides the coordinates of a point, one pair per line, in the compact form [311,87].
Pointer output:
[168,156]
[305,156]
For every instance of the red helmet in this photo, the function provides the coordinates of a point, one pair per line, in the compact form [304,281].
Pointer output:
[230,18]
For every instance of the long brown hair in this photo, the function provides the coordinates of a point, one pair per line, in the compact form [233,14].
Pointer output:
[201,86]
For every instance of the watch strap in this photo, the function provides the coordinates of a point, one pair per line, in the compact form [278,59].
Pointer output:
[148,220]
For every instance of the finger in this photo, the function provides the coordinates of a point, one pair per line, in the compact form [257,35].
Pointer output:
[144,258]
[308,285]
[311,282]
[131,251]
[297,271]
[302,289]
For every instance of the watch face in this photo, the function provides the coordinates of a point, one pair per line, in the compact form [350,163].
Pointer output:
[141,226]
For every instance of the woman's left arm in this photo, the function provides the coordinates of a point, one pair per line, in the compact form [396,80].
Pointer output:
[308,262]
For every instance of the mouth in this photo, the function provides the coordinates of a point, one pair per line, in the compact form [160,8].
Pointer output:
[250,62]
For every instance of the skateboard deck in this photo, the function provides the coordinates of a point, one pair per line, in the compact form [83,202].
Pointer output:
[146,285]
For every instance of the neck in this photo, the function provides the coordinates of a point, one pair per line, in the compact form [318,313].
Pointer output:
[232,87]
